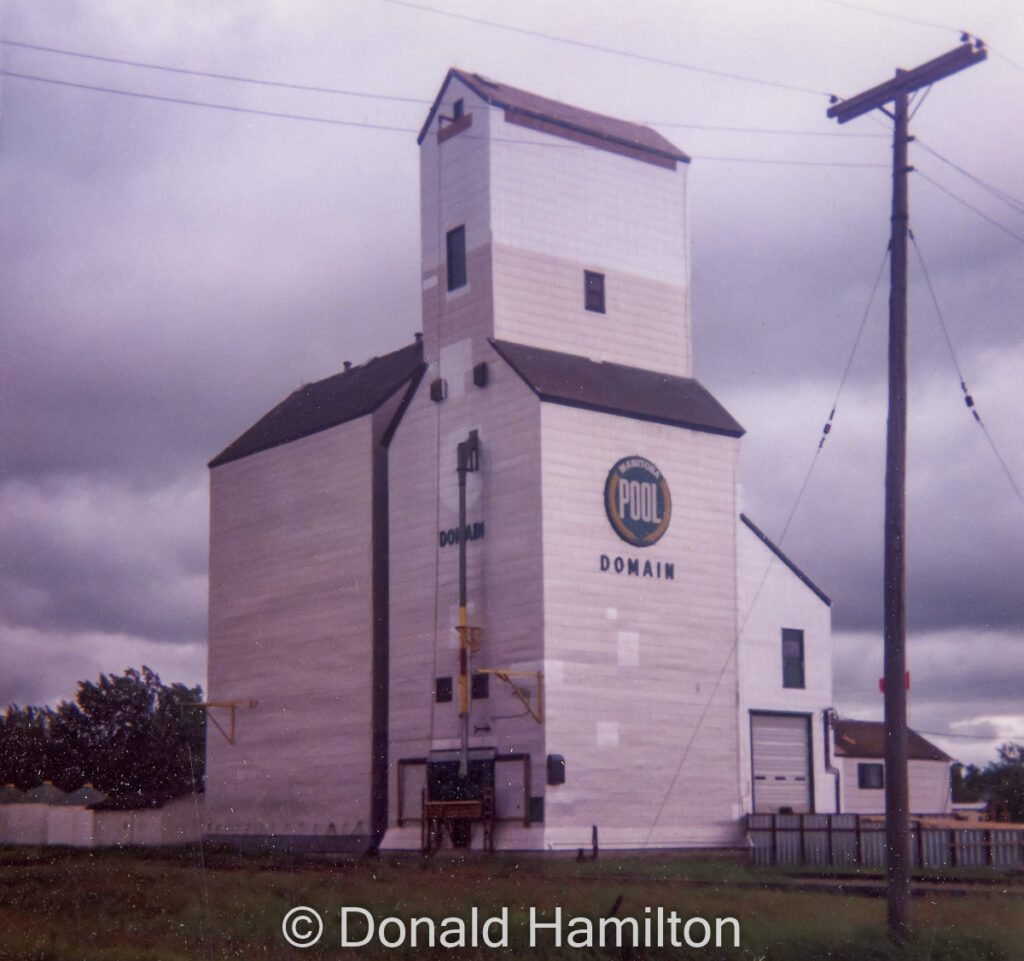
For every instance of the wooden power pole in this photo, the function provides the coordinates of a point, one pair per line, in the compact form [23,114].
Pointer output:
[897,91]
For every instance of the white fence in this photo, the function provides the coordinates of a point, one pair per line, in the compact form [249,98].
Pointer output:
[177,822]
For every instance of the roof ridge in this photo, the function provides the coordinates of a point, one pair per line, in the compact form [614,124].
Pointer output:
[778,552]
[632,134]
[328,402]
[619,389]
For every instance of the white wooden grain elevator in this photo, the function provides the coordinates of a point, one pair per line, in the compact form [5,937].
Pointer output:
[638,658]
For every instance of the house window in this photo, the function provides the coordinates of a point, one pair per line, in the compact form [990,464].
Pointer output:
[481,687]
[871,777]
[792,657]
[458,108]
[442,689]
[457,258]
[593,291]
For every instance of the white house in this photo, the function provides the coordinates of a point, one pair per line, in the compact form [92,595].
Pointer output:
[637,659]
[860,756]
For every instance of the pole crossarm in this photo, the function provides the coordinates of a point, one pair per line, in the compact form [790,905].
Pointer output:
[907,81]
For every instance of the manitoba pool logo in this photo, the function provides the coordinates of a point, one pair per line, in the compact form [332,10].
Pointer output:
[637,500]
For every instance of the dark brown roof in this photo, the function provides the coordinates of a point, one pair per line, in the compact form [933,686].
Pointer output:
[867,739]
[617,389]
[329,402]
[770,544]
[522,102]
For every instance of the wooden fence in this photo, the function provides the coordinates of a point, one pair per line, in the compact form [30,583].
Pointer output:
[851,840]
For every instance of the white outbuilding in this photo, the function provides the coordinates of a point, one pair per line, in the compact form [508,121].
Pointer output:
[860,758]
[495,588]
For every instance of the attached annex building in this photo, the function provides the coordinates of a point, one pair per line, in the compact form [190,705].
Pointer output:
[638,658]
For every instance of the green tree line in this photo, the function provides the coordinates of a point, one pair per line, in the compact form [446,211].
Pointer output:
[128,735]
[1000,783]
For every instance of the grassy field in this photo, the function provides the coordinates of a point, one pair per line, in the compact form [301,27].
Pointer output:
[141,905]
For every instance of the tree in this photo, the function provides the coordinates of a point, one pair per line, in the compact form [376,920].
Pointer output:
[968,783]
[23,747]
[1004,781]
[128,735]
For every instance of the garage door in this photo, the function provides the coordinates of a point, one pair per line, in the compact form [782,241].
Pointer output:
[780,746]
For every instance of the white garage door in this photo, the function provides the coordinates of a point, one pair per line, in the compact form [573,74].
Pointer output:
[780,745]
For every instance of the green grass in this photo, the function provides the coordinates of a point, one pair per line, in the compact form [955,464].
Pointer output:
[109,905]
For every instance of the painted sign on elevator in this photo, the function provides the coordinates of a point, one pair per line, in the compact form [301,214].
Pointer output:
[637,501]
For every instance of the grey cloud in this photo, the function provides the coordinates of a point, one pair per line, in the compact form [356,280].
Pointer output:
[167,274]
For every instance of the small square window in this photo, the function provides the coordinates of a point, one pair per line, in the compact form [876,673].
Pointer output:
[458,109]
[442,689]
[593,291]
[871,777]
[457,258]
[792,657]
[481,687]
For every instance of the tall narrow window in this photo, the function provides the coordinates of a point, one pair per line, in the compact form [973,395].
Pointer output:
[593,291]
[792,657]
[457,258]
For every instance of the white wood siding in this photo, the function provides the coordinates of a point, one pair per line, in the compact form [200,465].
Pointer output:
[772,597]
[504,568]
[455,190]
[641,692]
[559,208]
[929,788]
[538,211]
[291,628]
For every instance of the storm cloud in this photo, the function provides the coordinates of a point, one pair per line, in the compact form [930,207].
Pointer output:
[168,273]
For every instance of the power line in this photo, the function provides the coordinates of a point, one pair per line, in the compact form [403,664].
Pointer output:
[1005,59]
[801,163]
[766,130]
[211,106]
[365,124]
[984,216]
[214,76]
[601,49]
[827,429]
[771,560]
[968,398]
[893,16]
[996,192]
[976,737]
[291,85]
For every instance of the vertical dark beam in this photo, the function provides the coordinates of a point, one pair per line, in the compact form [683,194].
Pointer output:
[527,790]
[380,657]
[896,786]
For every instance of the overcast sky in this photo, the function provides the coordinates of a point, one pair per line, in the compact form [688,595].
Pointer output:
[169,272]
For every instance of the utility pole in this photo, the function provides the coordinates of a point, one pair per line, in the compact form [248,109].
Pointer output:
[897,91]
